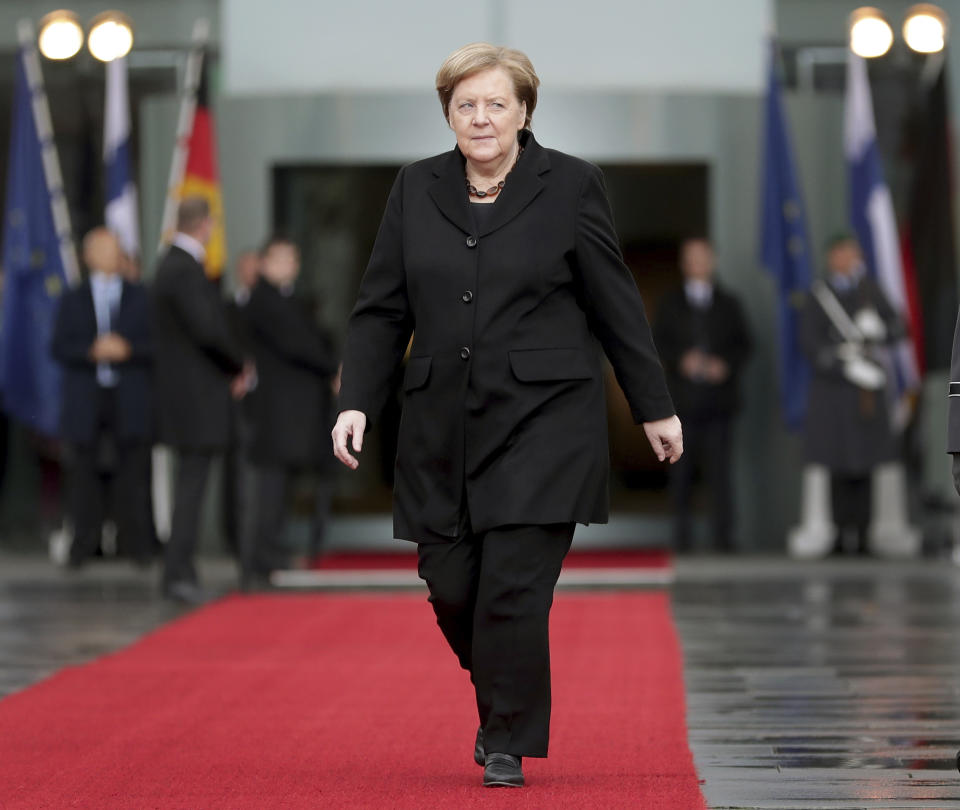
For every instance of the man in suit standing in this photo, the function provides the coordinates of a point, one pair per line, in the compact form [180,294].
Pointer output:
[704,340]
[198,366]
[295,366]
[102,341]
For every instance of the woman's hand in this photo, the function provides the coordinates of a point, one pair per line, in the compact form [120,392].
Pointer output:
[349,423]
[666,438]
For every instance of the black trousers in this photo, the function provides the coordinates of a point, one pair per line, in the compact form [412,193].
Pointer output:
[110,478]
[492,593]
[266,550]
[193,470]
[238,485]
[850,499]
[707,447]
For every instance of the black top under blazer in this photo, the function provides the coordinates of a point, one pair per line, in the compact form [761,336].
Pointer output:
[196,356]
[503,392]
[74,332]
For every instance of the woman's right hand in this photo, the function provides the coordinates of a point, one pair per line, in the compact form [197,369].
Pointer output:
[349,424]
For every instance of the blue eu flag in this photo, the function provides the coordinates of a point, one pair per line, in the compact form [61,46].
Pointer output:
[34,274]
[784,248]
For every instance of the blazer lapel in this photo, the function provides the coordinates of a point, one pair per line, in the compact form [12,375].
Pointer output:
[449,190]
[121,313]
[522,186]
[90,308]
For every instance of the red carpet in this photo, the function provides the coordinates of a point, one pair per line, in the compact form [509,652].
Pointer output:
[339,701]
[382,561]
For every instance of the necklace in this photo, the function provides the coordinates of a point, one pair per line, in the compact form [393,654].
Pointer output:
[474,192]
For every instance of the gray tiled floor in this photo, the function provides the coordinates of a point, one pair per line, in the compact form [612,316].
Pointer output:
[814,685]
[826,685]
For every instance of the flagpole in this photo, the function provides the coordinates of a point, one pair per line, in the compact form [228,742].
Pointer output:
[188,106]
[51,163]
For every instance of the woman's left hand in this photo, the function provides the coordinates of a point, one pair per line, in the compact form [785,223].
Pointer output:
[666,438]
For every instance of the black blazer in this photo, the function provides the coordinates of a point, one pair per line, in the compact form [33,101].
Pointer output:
[295,364]
[74,331]
[503,393]
[196,355]
[721,330]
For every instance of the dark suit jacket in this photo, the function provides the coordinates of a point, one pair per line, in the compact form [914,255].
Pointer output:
[74,332]
[503,393]
[847,430]
[196,356]
[295,364]
[720,330]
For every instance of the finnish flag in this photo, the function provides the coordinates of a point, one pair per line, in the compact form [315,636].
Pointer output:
[121,191]
[871,211]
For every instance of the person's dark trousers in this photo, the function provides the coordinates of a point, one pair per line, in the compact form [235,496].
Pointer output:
[131,501]
[87,502]
[323,497]
[193,470]
[110,477]
[265,552]
[237,494]
[492,593]
[707,447]
[850,497]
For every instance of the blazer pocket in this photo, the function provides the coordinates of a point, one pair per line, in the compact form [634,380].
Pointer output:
[418,370]
[543,365]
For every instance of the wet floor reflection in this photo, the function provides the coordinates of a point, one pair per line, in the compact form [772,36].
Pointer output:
[829,685]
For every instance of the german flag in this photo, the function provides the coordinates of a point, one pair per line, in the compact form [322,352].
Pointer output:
[201,177]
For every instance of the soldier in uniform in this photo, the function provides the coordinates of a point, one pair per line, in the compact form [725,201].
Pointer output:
[845,323]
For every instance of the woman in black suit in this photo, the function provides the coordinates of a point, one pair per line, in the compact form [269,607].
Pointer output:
[500,257]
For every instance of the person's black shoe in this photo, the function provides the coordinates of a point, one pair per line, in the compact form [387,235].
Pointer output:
[502,770]
[479,756]
[185,592]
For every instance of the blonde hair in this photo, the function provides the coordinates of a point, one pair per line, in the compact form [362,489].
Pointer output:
[479,56]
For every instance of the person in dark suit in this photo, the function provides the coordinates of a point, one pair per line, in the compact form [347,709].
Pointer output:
[703,339]
[198,367]
[501,258]
[295,366]
[845,321]
[102,340]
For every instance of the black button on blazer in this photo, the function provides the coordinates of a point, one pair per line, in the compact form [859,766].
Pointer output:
[520,428]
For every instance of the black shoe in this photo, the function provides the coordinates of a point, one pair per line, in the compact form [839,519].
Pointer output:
[478,753]
[185,592]
[502,770]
